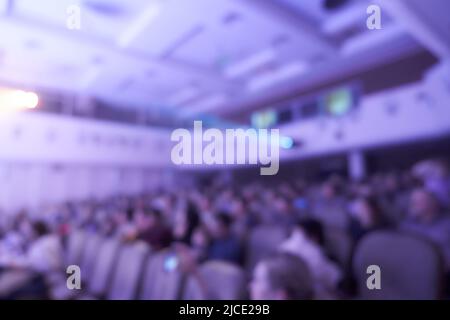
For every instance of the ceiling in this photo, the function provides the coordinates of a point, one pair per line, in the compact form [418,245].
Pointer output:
[202,56]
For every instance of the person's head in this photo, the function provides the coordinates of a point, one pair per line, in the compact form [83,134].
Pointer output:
[40,229]
[222,225]
[282,205]
[423,205]
[391,183]
[312,229]
[366,211]
[238,208]
[329,190]
[148,218]
[200,237]
[281,277]
[120,217]
[130,211]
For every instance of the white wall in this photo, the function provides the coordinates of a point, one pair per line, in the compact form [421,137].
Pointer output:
[42,137]
[47,159]
[27,185]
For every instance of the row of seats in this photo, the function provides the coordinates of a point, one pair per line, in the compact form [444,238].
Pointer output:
[114,270]
[264,240]
[411,268]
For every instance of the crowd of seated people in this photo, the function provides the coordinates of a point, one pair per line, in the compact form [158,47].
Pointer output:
[213,223]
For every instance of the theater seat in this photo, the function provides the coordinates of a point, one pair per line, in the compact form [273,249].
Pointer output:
[107,256]
[221,281]
[262,242]
[161,279]
[75,246]
[411,267]
[332,215]
[90,255]
[128,271]
[339,245]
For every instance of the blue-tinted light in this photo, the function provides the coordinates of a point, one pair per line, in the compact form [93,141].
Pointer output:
[286,142]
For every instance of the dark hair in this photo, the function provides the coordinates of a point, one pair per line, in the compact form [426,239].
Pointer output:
[151,212]
[224,219]
[374,206]
[193,220]
[40,228]
[290,273]
[313,229]
[130,213]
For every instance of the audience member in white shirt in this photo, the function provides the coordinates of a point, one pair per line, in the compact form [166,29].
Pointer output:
[305,242]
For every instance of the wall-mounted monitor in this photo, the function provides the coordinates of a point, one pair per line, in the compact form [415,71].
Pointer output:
[331,102]
[264,119]
[339,102]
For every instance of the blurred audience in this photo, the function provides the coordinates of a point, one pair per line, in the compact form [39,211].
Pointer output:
[214,221]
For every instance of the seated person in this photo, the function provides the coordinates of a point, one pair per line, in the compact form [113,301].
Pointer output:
[152,229]
[43,254]
[365,216]
[224,244]
[123,227]
[24,275]
[329,206]
[426,218]
[200,243]
[282,277]
[306,242]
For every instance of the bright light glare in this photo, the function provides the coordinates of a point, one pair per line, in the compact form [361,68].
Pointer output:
[13,100]
[286,142]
